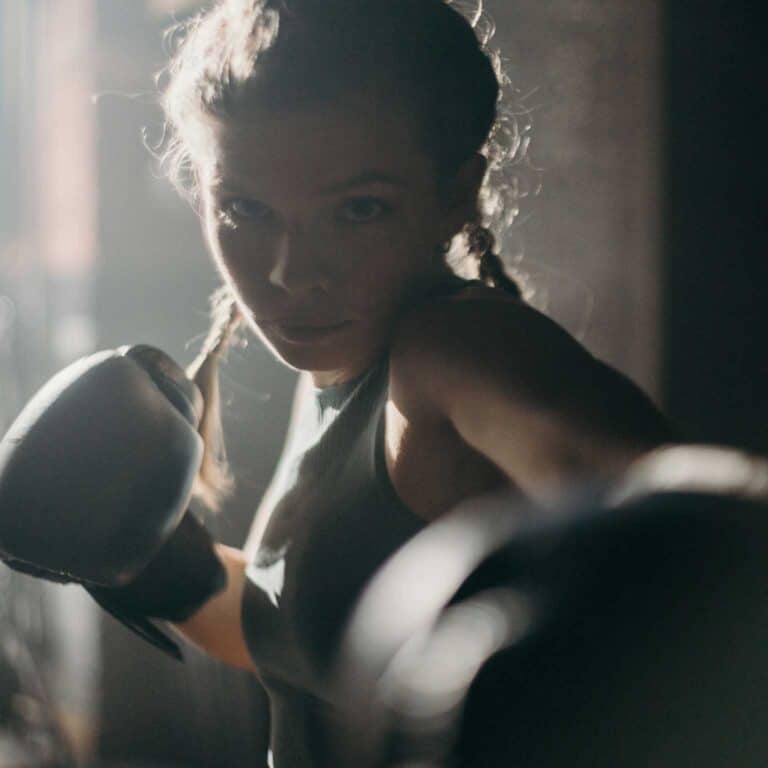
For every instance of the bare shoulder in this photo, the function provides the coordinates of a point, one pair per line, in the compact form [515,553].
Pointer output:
[459,340]
[483,355]
[477,315]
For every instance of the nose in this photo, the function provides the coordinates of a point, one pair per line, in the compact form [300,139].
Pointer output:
[297,266]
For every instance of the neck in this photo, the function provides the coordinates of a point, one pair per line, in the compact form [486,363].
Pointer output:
[325,379]
[437,282]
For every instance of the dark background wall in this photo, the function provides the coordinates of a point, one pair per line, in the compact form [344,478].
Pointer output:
[715,319]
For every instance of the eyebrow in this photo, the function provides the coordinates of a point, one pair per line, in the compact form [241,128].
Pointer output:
[359,180]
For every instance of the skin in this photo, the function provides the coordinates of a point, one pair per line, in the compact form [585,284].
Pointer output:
[302,224]
[325,215]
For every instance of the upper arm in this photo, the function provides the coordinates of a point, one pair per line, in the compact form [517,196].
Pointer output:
[519,389]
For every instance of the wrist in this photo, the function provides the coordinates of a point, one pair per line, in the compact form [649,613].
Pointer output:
[185,574]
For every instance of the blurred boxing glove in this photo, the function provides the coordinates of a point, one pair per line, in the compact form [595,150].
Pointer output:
[626,627]
[96,478]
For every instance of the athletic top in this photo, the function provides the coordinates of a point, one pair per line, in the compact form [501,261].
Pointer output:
[329,519]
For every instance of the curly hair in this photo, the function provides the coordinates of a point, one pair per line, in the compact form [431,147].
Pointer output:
[431,55]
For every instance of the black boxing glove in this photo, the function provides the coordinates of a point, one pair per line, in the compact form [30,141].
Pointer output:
[96,479]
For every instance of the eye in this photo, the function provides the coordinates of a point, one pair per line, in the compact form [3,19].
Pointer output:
[251,210]
[359,210]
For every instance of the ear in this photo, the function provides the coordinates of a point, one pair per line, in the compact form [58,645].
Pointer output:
[460,194]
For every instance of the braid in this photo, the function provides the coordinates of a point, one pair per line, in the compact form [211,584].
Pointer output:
[492,269]
[226,319]
[214,482]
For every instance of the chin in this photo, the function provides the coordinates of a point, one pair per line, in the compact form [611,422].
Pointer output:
[310,360]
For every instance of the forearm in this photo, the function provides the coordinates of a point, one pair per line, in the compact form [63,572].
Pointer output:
[216,628]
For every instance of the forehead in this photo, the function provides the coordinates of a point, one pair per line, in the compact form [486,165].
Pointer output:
[314,147]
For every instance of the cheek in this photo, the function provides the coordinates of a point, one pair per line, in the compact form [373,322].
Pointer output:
[396,253]
[238,254]
[376,264]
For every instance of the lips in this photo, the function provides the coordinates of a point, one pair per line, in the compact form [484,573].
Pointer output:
[303,334]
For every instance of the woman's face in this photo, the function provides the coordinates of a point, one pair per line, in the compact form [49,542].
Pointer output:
[323,221]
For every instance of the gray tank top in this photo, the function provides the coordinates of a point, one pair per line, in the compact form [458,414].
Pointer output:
[333,518]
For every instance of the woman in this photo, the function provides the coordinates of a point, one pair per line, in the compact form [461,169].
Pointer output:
[336,152]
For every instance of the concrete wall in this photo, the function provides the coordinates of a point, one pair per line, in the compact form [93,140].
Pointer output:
[591,239]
